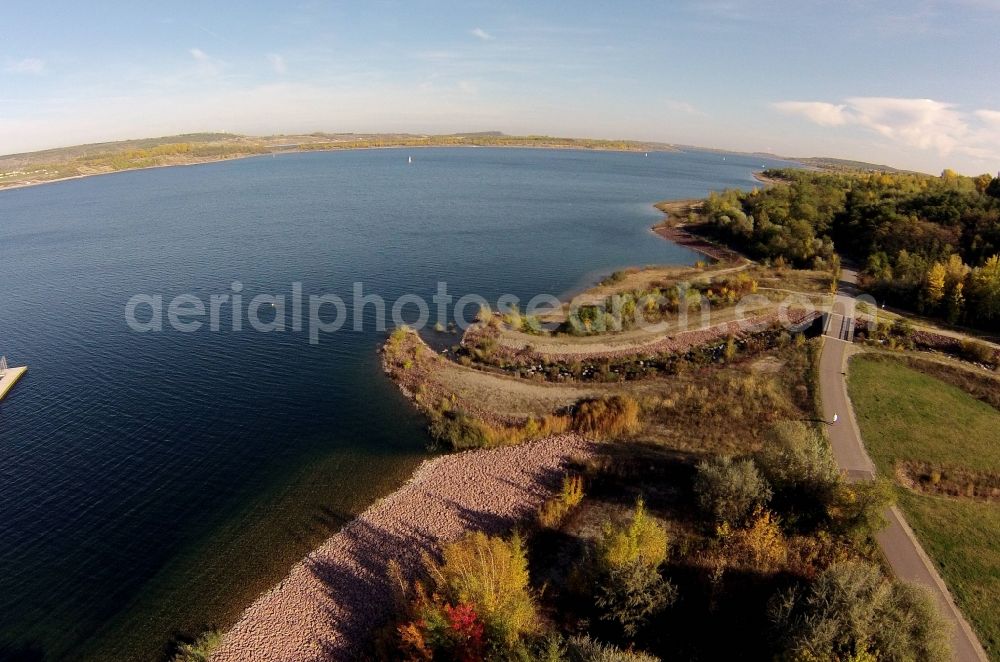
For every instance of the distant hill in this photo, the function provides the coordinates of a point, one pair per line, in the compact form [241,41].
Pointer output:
[844,165]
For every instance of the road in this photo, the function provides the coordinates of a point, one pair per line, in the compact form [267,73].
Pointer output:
[902,551]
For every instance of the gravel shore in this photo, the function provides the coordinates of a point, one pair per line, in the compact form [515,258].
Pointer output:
[327,606]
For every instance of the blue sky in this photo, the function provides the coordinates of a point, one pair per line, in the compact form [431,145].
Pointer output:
[914,84]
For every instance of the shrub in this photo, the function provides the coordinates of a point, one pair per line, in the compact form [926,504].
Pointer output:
[851,611]
[729,353]
[441,628]
[554,511]
[730,490]
[902,327]
[614,277]
[457,430]
[531,324]
[977,352]
[585,649]
[474,604]
[800,467]
[200,650]
[613,416]
[760,546]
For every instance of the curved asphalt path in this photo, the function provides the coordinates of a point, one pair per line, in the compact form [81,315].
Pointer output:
[902,551]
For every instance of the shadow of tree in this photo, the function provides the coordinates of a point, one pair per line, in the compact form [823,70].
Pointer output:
[21,652]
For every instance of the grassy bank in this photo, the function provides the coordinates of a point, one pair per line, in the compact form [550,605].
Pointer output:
[906,416]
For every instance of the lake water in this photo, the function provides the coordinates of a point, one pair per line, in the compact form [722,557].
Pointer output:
[153,483]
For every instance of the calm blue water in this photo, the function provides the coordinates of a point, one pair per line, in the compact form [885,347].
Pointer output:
[154,483]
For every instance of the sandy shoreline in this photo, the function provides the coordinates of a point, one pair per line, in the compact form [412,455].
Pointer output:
[328,605]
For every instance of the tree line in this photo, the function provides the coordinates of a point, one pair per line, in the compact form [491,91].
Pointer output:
[927,243]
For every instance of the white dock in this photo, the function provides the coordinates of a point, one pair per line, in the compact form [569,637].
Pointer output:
[9,376]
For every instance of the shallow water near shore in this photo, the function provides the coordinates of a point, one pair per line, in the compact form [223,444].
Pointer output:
[154,483]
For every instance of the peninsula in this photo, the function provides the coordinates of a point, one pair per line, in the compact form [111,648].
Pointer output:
[658,459]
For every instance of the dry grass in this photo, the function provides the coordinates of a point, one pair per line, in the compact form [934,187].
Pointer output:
[555,510]
[607,418]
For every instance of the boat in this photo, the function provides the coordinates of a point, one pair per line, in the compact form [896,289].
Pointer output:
[409,159]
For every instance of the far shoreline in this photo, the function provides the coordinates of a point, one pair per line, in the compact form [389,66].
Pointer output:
[240,157]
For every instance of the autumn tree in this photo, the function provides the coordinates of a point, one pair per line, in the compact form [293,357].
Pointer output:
[934,283]
[982,182]
[630,587]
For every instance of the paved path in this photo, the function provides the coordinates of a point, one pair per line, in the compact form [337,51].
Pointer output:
[902,551]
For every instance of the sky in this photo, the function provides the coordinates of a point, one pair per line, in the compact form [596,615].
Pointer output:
[912,84]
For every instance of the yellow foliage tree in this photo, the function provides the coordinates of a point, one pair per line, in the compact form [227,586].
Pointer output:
[934,285]
[642,540]
[491,574]
[761,545]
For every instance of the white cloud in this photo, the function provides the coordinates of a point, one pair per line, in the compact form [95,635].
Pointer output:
[923,124]
[481,34]
[819,112]
[277,63]
[920,123]
[29,65]
[991,117]
[198,54]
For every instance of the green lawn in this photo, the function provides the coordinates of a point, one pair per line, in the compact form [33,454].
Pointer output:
[905,415]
